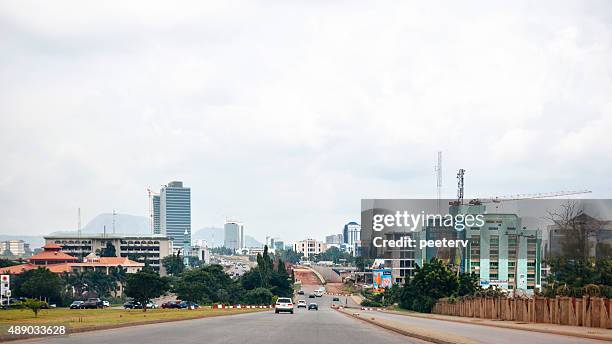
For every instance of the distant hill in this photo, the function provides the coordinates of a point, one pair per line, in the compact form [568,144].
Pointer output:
[124,223]
[216,235]
[213,235]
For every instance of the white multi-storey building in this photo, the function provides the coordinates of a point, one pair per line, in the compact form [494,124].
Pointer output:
[234,235]
[309,247]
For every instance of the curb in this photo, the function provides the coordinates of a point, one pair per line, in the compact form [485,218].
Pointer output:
[507,326]
[400,331]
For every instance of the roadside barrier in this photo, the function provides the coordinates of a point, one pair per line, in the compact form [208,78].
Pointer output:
[220,306]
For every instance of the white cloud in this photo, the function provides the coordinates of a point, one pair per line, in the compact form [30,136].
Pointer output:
[285,115]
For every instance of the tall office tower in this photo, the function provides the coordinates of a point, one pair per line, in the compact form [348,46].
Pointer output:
[156,214]
[234,235]
[175,213]
[351,233]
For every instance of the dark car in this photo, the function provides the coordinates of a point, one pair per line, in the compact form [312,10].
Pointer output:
[171,304]
[76,304]
[301,292]
[311,296]
[92,303]
[189,305]
[132,305]
[336,299]
[313,305]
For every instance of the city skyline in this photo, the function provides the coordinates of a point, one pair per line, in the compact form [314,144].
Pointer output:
[269,125]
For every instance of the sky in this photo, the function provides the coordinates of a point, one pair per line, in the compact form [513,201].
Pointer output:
[285,114]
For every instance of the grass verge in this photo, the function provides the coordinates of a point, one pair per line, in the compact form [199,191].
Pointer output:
[79,320]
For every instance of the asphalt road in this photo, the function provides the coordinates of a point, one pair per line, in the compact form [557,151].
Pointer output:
[483,334]
[322,326]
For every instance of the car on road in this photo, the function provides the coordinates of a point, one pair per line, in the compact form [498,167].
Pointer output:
[336,299]
[283,304]
[313,305]
[92,303]
[301,304]
[318,293]
[301,292]
[311,296]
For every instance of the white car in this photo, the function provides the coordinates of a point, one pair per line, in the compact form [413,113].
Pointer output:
[318,293]
[283,304]
[301,304]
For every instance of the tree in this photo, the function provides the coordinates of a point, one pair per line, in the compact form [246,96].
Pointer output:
[109,250]
[431,282]
[145,285]
[204,285]
[7,262]
[34,305]
[223,251]
[468,284]
[577,227]
[334,255]
[173,264]
[40,284]
[289,256]
[259,296]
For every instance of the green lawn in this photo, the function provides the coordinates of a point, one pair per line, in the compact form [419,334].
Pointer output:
[85,319]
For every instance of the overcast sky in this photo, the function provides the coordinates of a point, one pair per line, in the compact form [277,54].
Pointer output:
[285,114]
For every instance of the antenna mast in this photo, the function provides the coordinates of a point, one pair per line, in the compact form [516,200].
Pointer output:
[114,213]
[460,175]
[439,178]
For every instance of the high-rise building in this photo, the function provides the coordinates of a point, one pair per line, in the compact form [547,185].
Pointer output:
[351,233]
[175,213]
[156,214]
[234,235]
[352,237]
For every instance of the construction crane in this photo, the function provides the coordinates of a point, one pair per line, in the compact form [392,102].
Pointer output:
[499,199]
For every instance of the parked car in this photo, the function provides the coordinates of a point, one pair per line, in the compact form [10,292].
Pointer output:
[301,304]
[171,304]
[105,303]
[313,305]
[311,296]
[132,305]
[92,303]
[76,304]
[188,304]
